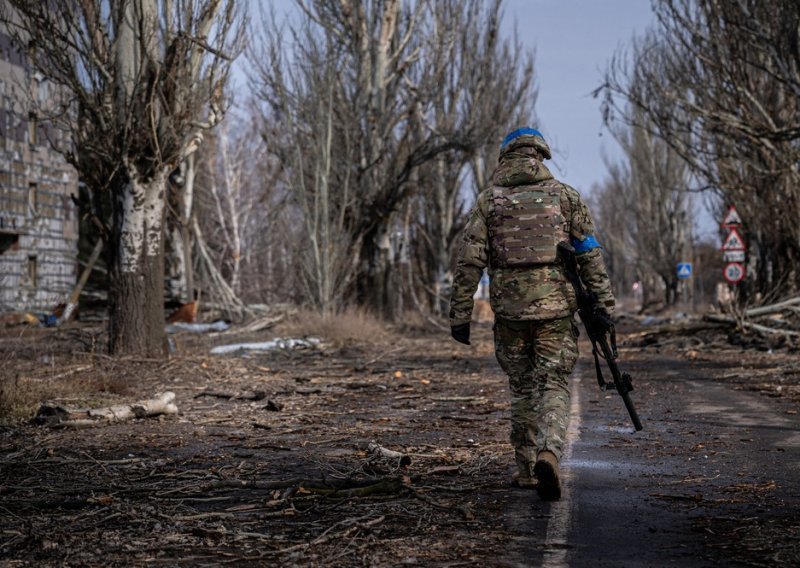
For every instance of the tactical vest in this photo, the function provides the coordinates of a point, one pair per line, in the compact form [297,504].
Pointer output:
[526,224]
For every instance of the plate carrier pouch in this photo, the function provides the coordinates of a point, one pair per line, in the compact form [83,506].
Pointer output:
[527,224]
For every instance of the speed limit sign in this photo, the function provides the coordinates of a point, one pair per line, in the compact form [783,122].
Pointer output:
[734,272]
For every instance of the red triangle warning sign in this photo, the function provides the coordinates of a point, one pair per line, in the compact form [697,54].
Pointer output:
[732,218]
[733,241]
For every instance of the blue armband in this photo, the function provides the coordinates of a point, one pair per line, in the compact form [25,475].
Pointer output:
[584,245]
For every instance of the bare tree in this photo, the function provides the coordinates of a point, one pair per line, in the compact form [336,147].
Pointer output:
[645,212]
[235,215]
[135,82]
[719,81]
[489,89]
[367,93]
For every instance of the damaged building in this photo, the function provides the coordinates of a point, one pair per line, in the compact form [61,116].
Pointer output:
[38,219]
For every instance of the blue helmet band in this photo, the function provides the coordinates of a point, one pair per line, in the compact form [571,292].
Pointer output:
[520,132]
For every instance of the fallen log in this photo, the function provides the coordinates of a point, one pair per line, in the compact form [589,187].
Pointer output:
[750,325]
[56,416]
[772,308]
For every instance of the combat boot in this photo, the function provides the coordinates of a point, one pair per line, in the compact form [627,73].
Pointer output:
[546,471]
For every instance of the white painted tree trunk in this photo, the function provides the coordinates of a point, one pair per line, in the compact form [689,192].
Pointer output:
[136,299]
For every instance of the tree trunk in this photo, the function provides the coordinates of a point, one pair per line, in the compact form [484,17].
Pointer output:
[374,280]
[136,295]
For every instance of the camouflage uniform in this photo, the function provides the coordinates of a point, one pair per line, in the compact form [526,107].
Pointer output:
[535,336]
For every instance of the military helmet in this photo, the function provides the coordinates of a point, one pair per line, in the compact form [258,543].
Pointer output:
[526,137]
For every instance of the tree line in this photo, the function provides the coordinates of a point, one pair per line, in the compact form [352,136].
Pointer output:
[705,106]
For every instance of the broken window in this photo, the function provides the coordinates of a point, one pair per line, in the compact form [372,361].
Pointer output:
[8,241]
[33,196]
[32,271]
[33,126]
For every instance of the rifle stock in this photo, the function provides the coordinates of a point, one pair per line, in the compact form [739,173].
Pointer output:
[598,328]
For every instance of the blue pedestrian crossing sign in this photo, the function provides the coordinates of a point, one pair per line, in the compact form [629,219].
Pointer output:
[684,270]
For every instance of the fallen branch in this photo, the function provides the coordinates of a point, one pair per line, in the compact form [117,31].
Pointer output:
[253,396]
[260,324]
[378,451]
[72,303]
[57,416]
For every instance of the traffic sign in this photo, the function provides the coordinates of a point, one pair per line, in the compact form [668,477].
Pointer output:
[684,269]
[732,218]
[733,256]
[733,241]
[733,272]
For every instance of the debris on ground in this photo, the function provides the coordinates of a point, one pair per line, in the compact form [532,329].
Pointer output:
[278,343]
[217,326]
[271,458]
[764,328]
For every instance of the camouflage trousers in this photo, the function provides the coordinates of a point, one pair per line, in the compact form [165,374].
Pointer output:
[538,357]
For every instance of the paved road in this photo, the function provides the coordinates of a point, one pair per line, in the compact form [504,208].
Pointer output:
[713,479]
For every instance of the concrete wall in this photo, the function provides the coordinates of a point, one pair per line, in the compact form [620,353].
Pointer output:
[38,221]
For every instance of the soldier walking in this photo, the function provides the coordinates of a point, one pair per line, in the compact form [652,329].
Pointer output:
[513,231]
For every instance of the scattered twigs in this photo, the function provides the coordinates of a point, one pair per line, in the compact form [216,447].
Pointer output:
[330,488]
[354,525]
[464,510]
[378,358]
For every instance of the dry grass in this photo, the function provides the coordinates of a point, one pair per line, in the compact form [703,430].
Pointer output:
[20,398]
[351,326]
[51,365]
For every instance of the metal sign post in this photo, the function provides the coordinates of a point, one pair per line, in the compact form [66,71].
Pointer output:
[733,248]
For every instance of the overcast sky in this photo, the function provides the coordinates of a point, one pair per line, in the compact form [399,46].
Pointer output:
[573,40]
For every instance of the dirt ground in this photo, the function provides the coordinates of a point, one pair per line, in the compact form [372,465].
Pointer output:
[267,461]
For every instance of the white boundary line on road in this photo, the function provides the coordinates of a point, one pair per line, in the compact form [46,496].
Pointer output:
[561,511]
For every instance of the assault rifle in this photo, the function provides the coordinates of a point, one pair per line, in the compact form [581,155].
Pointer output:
[598,325]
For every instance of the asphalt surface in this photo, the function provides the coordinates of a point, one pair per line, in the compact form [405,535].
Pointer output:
[712,466]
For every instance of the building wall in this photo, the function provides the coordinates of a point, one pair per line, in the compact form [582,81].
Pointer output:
[38,220]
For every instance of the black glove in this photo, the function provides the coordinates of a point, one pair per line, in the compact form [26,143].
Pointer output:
[460,333]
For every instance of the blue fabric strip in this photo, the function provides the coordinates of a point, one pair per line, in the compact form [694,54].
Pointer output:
[585,245]
[520,132]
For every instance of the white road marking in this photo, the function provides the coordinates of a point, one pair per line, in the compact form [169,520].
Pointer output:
[561,511]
